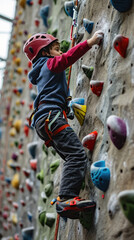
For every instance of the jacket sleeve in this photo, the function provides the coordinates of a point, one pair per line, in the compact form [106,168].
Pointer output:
[60,63]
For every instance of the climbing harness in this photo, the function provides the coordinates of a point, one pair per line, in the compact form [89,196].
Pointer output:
[48,124]
[48,127]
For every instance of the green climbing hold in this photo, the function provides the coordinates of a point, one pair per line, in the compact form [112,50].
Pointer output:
[50,219]
[88,71]
[54,165]
[55,1]
[44,197]
[64,46]
[40,176]
[49,21]
[16,143]
[83,185]
[53,151]
[45,149]
[126,200]
[42,215]
[49,189]
[54,33]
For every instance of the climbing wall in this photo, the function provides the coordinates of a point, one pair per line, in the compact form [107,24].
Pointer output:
[101,84]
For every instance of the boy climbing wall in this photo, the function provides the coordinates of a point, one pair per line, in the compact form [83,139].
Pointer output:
[51,111]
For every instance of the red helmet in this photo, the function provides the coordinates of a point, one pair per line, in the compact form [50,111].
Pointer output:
[35,43]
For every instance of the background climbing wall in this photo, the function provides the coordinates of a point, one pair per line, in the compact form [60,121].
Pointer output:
[29,172]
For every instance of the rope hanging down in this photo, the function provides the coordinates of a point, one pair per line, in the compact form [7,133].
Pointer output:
[73,35]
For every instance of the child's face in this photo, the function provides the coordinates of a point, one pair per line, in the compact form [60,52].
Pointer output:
[55,50]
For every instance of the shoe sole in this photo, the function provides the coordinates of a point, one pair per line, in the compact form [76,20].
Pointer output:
[74,211]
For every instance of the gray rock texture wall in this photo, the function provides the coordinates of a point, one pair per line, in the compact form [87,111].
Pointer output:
[117,98]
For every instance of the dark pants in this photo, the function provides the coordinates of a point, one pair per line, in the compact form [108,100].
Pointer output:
[68,146]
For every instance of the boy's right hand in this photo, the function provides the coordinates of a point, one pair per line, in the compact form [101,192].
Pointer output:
[96,38]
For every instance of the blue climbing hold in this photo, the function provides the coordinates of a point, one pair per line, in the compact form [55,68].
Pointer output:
[121,5]
[20,90]
[1,120]
[88,25]
[79,101]
[32,148]
[28,233]
[44,12]
[30,216]
[0,133]
[29,2]
[100,175]
[8,180]
[68,6]
[33,94]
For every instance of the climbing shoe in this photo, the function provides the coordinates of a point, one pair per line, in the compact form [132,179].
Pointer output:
[72,208]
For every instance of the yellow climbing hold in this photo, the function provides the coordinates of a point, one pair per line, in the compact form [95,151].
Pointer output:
[19,70]
[11,144]
[20,33]
[14,218]
[15,181]
[20,12]
[14,83]
[22,3]
[17,61]
[18,102]
[12,132]
[79,111]
[9,163]
[17,124]
[12,51]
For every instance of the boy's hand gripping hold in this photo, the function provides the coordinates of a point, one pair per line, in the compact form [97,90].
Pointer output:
[96,38]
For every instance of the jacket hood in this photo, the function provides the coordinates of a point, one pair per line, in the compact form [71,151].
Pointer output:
[34,73]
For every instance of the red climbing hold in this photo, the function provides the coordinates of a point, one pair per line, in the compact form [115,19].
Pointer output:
[96,87]
[39,2]
[29,64]
[33,164]
[120,44]
[89,140]
[23,203]
[26,130]
[29,185]
[37,22]
[26,172]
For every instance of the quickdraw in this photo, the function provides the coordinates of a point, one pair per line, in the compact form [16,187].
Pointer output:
[73,35]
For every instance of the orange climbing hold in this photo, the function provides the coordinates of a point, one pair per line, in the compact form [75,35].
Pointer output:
[120,44]
[26,130]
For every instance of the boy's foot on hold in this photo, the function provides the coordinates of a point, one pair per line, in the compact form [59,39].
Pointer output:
[72,208]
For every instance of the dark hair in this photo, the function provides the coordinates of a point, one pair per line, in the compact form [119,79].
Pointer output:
[46,49]
[39,55]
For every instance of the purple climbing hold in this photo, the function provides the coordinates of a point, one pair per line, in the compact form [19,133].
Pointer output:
[117,130]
